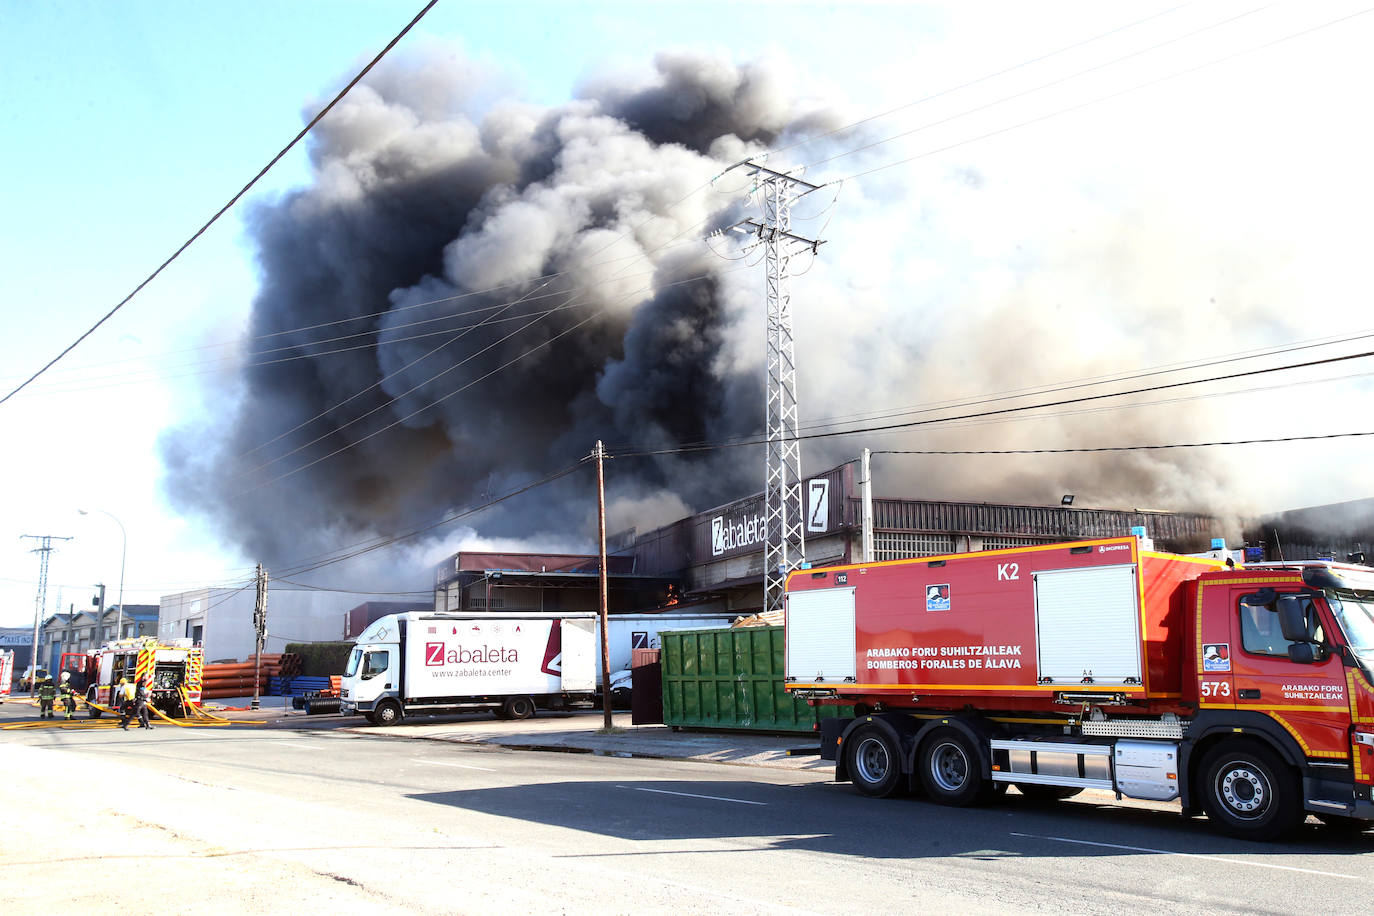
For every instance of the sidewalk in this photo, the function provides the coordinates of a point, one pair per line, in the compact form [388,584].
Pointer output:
[581,733]
[577,732]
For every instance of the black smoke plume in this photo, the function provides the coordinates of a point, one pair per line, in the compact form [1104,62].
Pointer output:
[460,303]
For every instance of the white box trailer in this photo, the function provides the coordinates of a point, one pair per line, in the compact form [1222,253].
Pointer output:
[6,673]
[424,662]
[641,631]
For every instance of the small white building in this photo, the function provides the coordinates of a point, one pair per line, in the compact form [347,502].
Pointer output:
[221,619]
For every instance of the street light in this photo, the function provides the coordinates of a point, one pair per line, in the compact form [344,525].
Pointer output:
[123,552]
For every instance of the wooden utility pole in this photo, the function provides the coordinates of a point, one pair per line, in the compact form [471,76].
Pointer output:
[260,629]
[600,455]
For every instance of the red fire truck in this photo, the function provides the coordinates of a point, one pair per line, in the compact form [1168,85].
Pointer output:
[169,671]
[6,673]
[1245,693]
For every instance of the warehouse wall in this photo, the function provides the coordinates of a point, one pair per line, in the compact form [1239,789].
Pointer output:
[226,618]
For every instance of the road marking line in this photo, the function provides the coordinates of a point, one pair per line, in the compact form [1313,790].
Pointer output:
[445,763]
[738,801]
[313,747]
[1192,855]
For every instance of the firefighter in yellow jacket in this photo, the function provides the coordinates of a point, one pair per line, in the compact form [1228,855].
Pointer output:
[66,694]
[47,692]
[125,696]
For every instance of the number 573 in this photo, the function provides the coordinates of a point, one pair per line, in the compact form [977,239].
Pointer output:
[1216,688]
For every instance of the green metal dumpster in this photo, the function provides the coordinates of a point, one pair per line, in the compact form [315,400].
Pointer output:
[727,679]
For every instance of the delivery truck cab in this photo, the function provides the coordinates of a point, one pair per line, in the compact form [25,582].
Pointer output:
[404,664]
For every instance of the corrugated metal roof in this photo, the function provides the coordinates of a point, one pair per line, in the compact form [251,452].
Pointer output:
[1051,522]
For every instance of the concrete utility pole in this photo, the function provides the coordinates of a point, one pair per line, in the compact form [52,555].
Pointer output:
[260,630]
[600,455]
[866,489]
[784,507]
[41,601]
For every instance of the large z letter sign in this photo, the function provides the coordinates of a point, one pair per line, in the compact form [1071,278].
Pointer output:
[818,504]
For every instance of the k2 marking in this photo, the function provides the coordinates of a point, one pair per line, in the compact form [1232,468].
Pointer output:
[1008,571]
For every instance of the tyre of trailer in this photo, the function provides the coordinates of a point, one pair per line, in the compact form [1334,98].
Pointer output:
[875,762]
[950,769]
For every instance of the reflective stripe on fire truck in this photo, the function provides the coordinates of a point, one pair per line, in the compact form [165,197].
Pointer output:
[147,659]
[1341,755]
[195,666]
[1265,580]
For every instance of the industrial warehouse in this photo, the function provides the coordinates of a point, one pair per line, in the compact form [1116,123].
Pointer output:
[710,562]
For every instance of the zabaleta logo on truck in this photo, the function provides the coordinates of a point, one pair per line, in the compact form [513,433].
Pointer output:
[437,653]
[474,649]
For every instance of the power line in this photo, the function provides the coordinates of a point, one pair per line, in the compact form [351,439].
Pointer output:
[973,82]
[1013,394]
[1115,448]
[595,314]
[301,586]
[1053,82]
[1110,96]
[364,547]
[999,412]
[232,201]
[216,361]
[952,89]
[1136,405]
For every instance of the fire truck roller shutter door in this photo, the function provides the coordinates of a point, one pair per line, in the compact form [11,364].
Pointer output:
[1088,625]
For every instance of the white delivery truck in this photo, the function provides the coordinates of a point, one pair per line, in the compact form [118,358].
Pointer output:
[424,662]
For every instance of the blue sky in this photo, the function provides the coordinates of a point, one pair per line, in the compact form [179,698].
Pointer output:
[127,124]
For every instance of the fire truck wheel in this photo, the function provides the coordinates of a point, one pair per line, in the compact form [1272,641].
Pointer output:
[1248,793]
[388,712]
[950,769]
[1046,793]
[875,764]
[517,708]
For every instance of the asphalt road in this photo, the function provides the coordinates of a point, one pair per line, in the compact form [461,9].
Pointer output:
[250,819]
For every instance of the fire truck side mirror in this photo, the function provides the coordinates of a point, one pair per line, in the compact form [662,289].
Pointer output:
[1307,653]
[1293,619]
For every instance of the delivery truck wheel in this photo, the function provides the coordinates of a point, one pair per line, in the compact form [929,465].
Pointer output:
[875,763]
[517,708]
[1248,793]
[950,770]
[388,712]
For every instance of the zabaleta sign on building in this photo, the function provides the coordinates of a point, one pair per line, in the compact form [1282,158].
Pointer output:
[741,527]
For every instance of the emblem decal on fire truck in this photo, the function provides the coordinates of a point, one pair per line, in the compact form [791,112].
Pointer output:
[937,597]
[1216,657]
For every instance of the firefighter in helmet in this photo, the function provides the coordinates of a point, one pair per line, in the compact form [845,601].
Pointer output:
[65,692]
[141,697]
[47,692]
[125,696]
